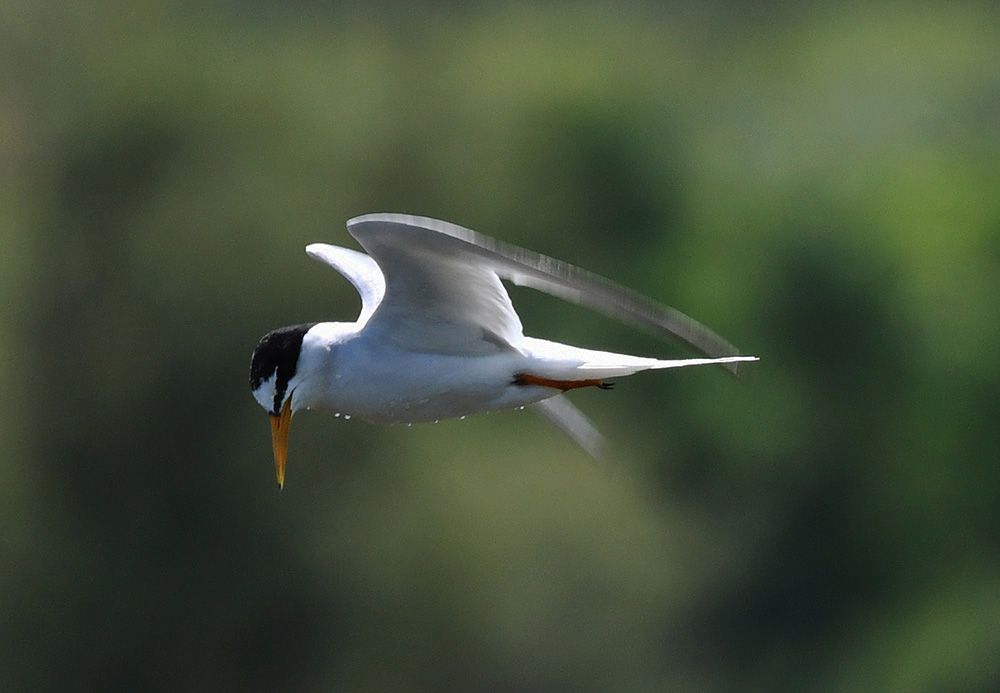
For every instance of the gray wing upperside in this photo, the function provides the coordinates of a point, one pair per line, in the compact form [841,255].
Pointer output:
[527,268]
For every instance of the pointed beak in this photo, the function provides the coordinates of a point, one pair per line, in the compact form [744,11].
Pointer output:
[279,437]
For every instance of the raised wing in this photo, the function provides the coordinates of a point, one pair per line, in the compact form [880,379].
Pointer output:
[439,295]
[449,262]
[360,270]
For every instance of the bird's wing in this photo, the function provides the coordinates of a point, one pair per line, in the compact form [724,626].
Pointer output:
[360,270]
[440,294]
[454,271]
[574,423]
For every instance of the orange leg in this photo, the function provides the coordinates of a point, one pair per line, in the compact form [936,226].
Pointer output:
[528,379]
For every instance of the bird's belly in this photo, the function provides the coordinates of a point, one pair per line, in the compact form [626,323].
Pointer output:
[414,387]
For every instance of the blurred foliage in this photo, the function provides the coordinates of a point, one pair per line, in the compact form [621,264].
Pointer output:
[816,182]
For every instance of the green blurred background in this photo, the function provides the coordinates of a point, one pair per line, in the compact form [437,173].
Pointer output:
[819,183]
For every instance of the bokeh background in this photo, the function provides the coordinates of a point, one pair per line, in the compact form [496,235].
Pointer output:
[819,182]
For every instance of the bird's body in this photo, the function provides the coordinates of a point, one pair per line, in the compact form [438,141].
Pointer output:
[438,338]
[363,375]
[360,375]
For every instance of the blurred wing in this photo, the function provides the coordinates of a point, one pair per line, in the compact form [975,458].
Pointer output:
[573,422]
[360,270]
[417,248]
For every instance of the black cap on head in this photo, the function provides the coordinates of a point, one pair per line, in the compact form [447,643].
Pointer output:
[277,352]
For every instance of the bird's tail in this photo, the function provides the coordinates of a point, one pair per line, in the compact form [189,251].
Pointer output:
[565,362]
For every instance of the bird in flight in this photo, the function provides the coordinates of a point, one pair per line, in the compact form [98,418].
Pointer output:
[438,338]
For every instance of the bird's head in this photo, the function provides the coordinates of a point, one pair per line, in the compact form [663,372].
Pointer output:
[274,376]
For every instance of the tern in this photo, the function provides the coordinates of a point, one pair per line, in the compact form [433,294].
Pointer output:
[438,337]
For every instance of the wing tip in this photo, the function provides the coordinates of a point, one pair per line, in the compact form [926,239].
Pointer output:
[315,250]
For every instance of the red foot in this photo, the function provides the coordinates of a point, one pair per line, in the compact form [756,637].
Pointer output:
[528,379]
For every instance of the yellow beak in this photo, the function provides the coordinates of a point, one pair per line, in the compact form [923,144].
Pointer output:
[279,437]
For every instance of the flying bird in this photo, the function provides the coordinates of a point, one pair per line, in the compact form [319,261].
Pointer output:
[438,338]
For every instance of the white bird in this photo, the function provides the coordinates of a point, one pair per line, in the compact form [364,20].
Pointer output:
[438,338]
